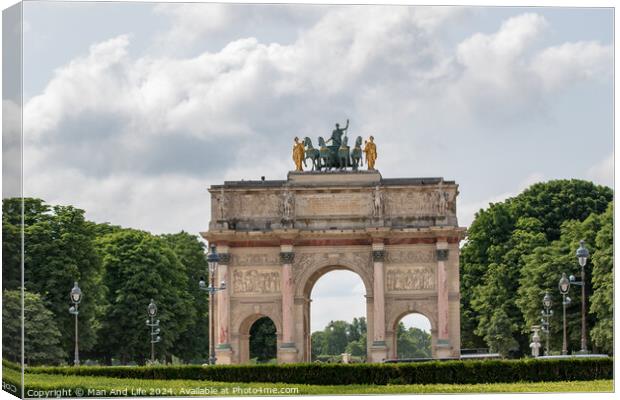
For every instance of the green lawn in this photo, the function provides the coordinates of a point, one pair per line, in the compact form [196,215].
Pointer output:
[109,387]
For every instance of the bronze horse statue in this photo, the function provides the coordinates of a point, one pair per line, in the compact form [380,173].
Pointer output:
[356,154]
[325,155]
[312,154]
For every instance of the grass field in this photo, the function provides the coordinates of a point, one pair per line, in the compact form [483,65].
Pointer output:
[85,386]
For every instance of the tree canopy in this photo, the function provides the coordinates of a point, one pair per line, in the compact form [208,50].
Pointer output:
[139,267]
[517,249]
[41,334]
[412,342]
[58,250]
[119,270]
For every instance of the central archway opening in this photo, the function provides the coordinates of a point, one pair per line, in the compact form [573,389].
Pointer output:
[337,317]
[263,341]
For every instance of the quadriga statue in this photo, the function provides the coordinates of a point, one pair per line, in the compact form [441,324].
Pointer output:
[337,155]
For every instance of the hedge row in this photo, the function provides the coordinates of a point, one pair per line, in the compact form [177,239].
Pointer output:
[451,372]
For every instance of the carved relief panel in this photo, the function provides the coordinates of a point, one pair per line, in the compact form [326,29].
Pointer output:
[410,268]
[419,277]
[255,259]
[417,203]
[253,281]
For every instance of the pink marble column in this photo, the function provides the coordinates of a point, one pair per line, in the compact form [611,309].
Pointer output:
[287,351]
[379,297]
[223,303]
[443,334]
[223,348]
[378,350]
[287,301]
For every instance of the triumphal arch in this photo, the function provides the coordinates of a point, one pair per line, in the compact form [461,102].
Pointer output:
[277,238]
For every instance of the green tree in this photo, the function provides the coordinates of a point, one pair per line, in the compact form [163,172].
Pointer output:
[11,244]
[318,344]
[357,347]
[12,229]
[542,271]
[193,343]
[501,281]
[336,337]
[486,239]
[140,267]
[356,329]
[496,337]
[263,340]
[58,250]
[412,342]
[499,241]
[356,337]
[339,337]
[602,300]
[41,335]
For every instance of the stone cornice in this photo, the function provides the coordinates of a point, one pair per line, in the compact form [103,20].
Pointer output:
[295,237]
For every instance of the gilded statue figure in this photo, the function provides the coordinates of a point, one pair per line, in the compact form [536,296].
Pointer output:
[370,149]
[298,154]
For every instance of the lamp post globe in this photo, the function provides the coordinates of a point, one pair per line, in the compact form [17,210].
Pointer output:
[212,259]
[547,301]
[582,253]
[76,294]
[564,284]
[152,309]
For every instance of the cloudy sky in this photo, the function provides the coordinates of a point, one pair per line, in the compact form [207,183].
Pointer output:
[131,110]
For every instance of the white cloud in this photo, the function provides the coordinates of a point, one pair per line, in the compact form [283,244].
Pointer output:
[91,83]
[467,212]
[11,149]
[153,203]
[232,112]
[506,75]
[191,21]
[483,53]
[352,54]
[603,172]
[558,66]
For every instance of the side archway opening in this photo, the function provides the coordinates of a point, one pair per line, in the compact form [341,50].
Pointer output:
[263,341]
[412,337]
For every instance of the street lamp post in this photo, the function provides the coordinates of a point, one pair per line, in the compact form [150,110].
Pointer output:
[564,286]
[151,310]
[76,296]
[546,317]
[582,256]
[212,259]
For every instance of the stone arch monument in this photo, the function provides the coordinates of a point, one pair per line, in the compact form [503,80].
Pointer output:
[277,238]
